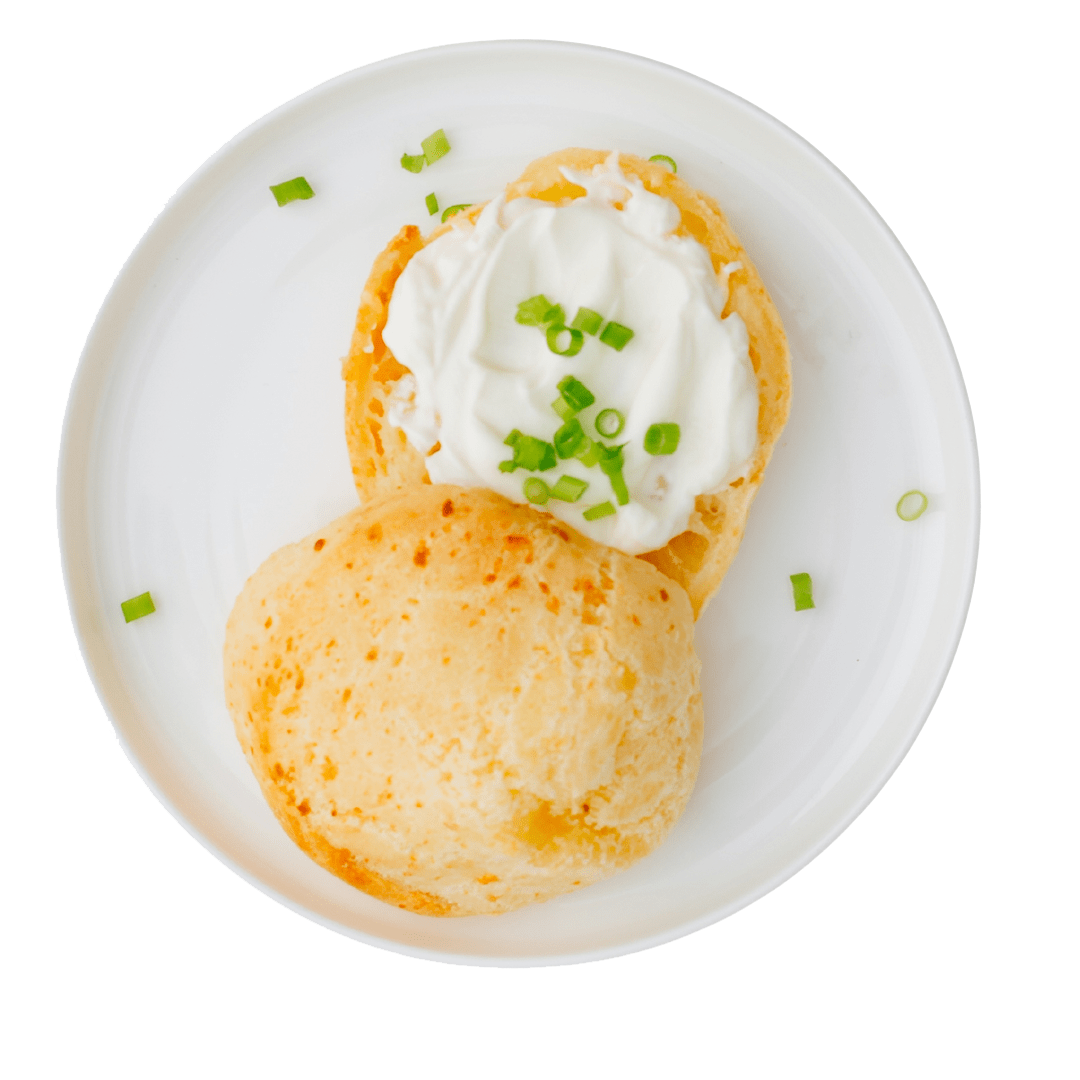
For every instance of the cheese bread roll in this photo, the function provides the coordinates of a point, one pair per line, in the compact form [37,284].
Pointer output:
[384,461]
[461,706]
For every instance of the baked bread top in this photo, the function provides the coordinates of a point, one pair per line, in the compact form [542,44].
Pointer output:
[460,705]
[384,462]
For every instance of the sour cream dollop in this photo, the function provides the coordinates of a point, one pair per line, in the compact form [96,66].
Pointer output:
[477,374]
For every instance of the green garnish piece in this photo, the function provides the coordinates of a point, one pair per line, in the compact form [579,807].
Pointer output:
[536,491]
[137,607]
[570,438]
[529,453]
[538,311]
[576,394]
[562,410]
[603,510]
[435,146]
[291,190]
[616,335]
[609,422]
[431,203]
[555,334]
[587,321]
[412,162]
[911,505]
[611,465]
[507,466]
[803,589]
[662,439]
[450,211]
[588,454]
[666,160]
[610,457]
[569,489]
[618,485]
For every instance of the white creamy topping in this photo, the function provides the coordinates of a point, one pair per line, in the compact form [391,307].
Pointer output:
[477,374]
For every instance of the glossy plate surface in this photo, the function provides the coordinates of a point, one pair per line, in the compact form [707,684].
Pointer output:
[205,430]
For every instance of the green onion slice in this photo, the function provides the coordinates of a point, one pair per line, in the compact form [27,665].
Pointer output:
[609,422]
[603,510]
[450,211]
[587,321]
[297,188]
[435,146]
[536,491]
[570,347]
[666,160]
[616,335]
[587,453]
[137,607]
[530,453]
[575,393]
[911,505]
[803,589]
[611,465]
[562,410]
[431,203]
[611,457]
[538,311]
[570,438]
[412,162]
[569,489]
[507,466]
[662,439]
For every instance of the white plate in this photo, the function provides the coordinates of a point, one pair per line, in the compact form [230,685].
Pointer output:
[205,430]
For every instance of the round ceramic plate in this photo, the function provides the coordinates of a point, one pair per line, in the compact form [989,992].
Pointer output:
[205,430]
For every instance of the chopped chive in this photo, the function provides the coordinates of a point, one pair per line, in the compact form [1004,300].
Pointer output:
[431,203]
[570,438]
[610,457]
[536,491]
[412,162]
[435,146]
[576,394]
[611,465]
[538,311]
[291,190]
[507,466]
[569,489]
[562,410]
[603,510]
[450,211]
[529,453]
[609,422]
[911,505]
[662,439]
[137,607]
[555,337]
[587,453]
[587,321]
[803,589]
[616,335]
[666,160]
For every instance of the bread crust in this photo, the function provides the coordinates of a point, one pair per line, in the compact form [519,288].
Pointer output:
[384,462]
[460,705]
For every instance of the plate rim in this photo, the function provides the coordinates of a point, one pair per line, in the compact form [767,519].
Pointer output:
[77,434]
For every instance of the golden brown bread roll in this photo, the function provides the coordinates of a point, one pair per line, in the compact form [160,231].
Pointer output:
[698,558]
[460,705]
